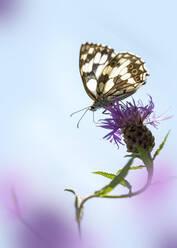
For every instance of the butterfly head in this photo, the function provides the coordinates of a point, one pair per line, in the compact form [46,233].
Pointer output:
[96,105]
[101,102]
[93,108]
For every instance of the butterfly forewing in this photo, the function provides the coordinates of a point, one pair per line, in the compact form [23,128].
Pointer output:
[93,59]
[121,77]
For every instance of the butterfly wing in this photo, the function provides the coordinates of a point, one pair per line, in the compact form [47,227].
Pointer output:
[93,58]
[121,77]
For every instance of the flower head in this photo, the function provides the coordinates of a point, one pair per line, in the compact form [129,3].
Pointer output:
[129,121]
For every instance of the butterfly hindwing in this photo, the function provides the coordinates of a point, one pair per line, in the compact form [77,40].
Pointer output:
[121,77]
[93,59]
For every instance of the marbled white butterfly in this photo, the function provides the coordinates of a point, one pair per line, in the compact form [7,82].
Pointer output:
[107,75]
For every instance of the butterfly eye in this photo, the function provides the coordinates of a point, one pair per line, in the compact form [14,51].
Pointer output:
[134,71]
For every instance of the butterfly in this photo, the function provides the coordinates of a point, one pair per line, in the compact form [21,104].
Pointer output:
[107,75]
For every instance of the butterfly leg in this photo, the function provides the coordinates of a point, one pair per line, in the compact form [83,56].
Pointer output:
[93,118]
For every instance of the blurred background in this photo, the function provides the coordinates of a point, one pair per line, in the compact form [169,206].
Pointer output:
[43,152]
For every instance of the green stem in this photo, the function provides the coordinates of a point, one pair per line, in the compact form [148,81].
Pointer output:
[149,166]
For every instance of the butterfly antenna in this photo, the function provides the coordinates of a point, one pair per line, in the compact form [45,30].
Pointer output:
[82,116]
[79,111]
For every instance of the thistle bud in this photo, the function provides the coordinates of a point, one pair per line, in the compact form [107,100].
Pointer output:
[138,135]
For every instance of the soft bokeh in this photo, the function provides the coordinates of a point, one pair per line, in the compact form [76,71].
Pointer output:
[46,228]
[167,238]
[41,86]
[9,9]
[162,183]
[37,223]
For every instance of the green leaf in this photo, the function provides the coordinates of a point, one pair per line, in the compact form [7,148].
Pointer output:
[133,155]
[104,174]
[124,182]
[133,168]
[77,197]
[127,185]
[116,180]
[71,190]
[161,146]
[79,212]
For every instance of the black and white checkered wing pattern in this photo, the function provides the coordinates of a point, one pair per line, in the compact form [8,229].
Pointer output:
[93,59]
[121,77]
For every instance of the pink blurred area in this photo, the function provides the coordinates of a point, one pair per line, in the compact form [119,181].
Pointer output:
[37,223]
[9,8]
[14,192]
[155,208]
[160,188]
[44,227]
[167,238]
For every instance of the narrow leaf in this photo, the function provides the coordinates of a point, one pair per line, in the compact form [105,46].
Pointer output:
[79,212]
[116,180]
[71,190]
[77,197]
[161,145]
[133,168]
[124,182]
[133,155]
[105,174]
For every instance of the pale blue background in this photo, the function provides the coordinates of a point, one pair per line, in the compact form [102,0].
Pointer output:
[41,86]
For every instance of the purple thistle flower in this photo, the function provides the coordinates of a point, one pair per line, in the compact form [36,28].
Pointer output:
[130,115]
